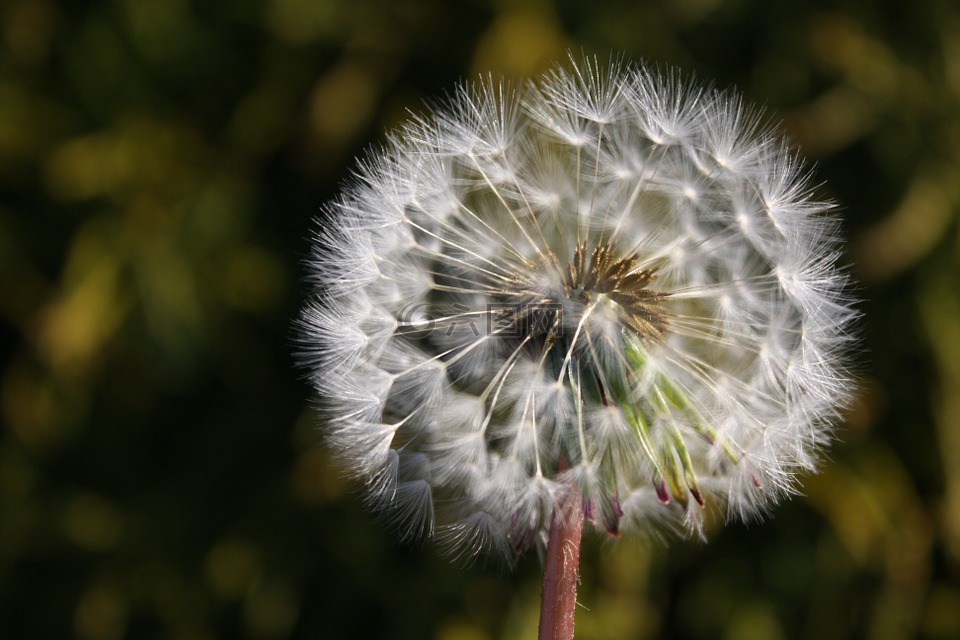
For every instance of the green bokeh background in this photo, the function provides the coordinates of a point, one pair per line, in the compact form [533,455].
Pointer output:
[160,470]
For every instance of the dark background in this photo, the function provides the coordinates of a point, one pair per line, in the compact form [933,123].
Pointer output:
[160,470]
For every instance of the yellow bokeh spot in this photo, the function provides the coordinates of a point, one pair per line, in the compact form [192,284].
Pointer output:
[460,630]
[101,614]
[869,64]
[89,166]
[33,407]
[270,611]
[902,238]
[314,480]
[29,27]
[300,21]
[756,622]
[232,567]
[90,307]
[520,42]
[92,523]
[254,279]
[342,102]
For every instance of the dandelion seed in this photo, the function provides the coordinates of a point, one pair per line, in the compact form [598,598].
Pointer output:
[622,289]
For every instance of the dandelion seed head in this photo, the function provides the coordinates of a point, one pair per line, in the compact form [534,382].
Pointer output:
[608,277]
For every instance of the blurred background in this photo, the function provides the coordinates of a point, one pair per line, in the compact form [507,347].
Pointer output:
[160,470]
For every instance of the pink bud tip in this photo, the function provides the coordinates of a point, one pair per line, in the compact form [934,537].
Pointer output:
[615,506]
[696,495]
[662,494]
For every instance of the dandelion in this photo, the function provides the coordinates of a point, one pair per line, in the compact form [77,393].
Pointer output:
[605,297]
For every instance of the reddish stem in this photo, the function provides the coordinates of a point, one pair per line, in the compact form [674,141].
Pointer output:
[562,571]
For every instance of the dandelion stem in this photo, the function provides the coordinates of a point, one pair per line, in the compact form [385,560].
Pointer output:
[562,571]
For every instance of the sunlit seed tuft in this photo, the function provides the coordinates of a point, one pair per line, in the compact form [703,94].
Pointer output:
[609,277]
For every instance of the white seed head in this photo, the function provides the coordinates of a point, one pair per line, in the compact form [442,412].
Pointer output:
[608,277]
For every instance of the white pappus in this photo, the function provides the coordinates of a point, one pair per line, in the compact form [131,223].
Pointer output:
[607,278]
